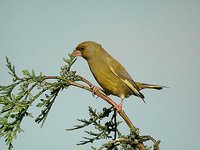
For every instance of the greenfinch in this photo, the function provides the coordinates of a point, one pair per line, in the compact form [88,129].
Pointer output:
[109,73]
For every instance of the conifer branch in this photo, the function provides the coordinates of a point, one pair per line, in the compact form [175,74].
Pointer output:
[17,97]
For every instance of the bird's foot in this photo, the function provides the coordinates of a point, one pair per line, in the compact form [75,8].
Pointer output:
[95,89]
[119,107]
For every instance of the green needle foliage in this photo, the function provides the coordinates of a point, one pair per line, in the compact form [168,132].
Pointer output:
[16,99]
[105,129]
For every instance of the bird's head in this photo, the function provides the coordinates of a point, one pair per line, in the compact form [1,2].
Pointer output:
[87,49]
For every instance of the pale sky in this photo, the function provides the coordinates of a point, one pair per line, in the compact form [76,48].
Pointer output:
[156,41]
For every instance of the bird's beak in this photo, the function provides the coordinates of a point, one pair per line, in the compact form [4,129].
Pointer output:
[76,53]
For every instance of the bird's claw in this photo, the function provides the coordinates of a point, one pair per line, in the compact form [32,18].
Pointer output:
[95,89]
[119,107]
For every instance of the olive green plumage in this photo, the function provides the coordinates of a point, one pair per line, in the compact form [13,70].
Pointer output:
[109,73]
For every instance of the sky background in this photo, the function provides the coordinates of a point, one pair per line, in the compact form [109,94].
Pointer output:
[157,42]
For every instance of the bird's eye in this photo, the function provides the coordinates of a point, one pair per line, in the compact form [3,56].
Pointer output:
[81,48]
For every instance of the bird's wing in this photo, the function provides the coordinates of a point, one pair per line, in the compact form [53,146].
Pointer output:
[118,70]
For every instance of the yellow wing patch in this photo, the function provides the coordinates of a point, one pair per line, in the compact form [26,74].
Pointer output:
[127,83]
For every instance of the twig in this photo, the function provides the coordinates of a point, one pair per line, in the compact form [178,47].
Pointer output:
[133,129]
[118,140]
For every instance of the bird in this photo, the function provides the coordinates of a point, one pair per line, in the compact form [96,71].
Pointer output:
[109,73]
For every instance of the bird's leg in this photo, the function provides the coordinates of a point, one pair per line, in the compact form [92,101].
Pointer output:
[120,105]
[95,89]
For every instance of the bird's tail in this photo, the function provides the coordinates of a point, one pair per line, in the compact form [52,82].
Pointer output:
[149,86]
